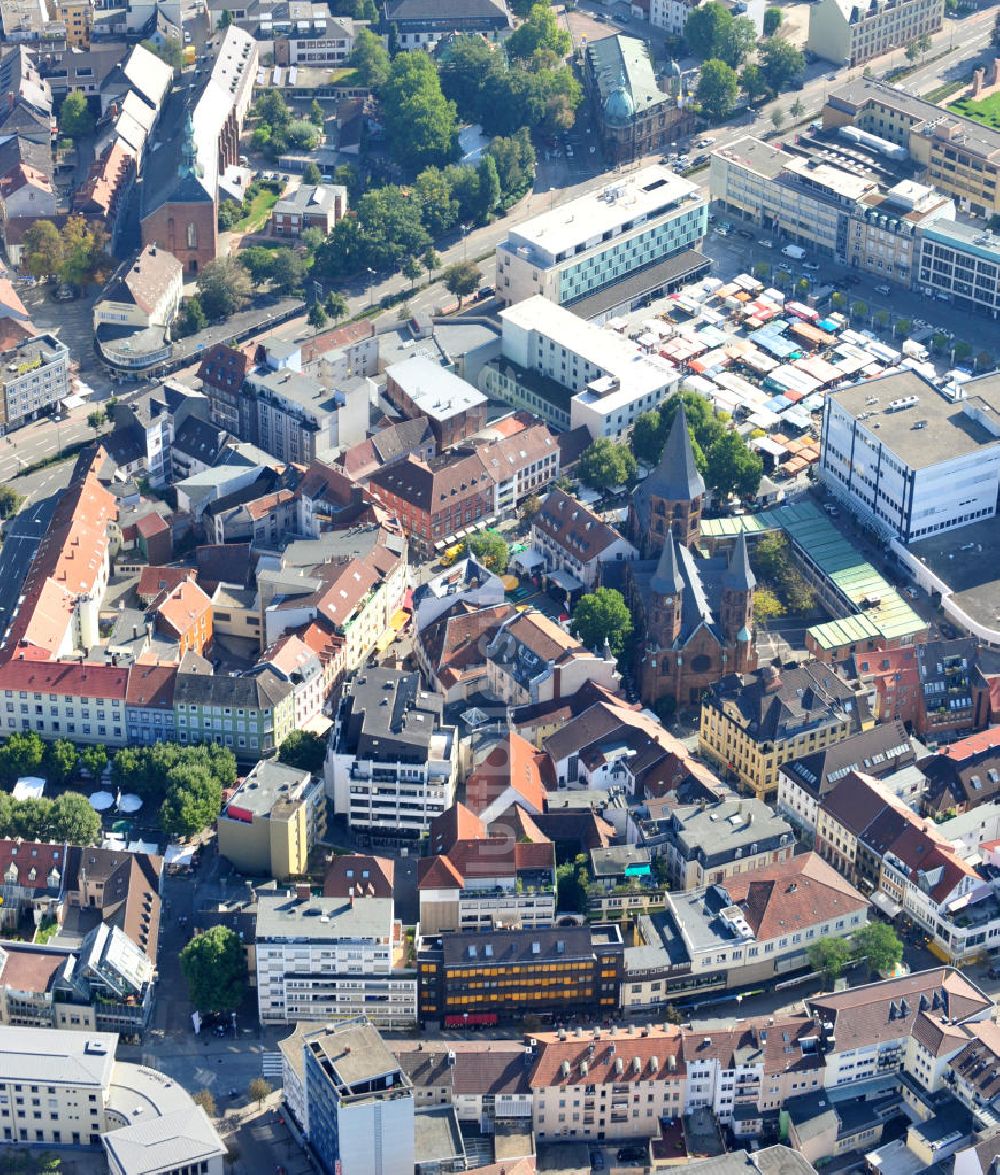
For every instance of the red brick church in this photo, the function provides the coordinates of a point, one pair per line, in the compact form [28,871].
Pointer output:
[693,615]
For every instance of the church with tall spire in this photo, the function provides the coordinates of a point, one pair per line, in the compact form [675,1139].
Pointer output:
[693,615]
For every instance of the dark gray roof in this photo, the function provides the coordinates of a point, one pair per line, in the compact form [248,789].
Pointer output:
[200,439]
[667,579]
[260,692]
[384,710]
[458,13]
[676,478]
[880,751]
[738,576]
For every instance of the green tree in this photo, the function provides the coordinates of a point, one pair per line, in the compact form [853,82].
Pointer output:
[602,615]
[766,605]
[386,228]
[370,59]
[206,1099]
[797,108]
[707,29]
[259,1090]
[430,261]
[995,32]
[879,944]
[740,42]
[470,67]
[838,300]
[225,20]
[42,254]
[95,420]
[272,109]
[419,122]
[311,174]
[762,271]
[733,467]
[304,750]
[411,269]
[489,187]
[802,287]
[605,464]
[223,288]
[961,350]
[540,31]
[514,156]
[781,63]
[939,342]
[830,956]
[717,87]
[20,754]
[984,361]
[168,49]
[572,880]
[317,316]
[753,82]
[438,206]
[214,966]
[913,51]
[772,21]
[902,327]
[94,759]
[530,507]
[336,305]
[859,309]
[73,820]
[288,271]
[75,119]
[193,317]
[192,801]
[461,279]
[10,502]
[317,115]
[490,549]
[777,118]
[59,761]
[882,318]
[83,250]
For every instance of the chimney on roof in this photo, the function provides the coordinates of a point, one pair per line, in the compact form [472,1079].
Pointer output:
[302,892]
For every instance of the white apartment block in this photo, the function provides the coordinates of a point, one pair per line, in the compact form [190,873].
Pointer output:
[34,377]
[671,15]
[850,33]
[601,238]
[961,262]
[611,379]
[910,461]
[329,959]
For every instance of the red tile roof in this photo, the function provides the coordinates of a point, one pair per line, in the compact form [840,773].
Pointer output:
[70,678]
[183,607]
[153,580]
[604,1059]
[515,763]
[373,876]
[151,687]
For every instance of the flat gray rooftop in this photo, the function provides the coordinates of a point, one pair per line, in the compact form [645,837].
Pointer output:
[949,433]
[973,575]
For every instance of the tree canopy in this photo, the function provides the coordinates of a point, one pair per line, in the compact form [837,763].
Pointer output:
[420,123]
[223,288]
[461,279]
[192,801]
[541,30]
[830,956]
[215,969]
[304,750]
[606,464]
[370,59]
[490,549]
[780,63]
[146,770]
[599,615]
[879,944]
[718,88]
[75,118]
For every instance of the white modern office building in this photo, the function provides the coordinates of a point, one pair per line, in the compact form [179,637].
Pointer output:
[609,378]
[601,238]
[848,32]
[329,959]
[909,460]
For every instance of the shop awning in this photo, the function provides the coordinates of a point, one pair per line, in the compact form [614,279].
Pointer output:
[385,640]
[399,620]
[563,579]
[527,560]
[883,902]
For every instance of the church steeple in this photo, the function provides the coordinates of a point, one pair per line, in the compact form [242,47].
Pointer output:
[667,579]
[669,501]
[738,577]
[677,474]
[188,164]
[738,583]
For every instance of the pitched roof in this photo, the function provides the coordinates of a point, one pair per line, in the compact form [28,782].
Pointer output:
[887,1010]
[792,895]
[738,576]
[34,862]
[855,801]
[153,580]
[574,527]
[454,824]
[373,876]
[71,678]
[450,479]
[225,367]
[514,763]
[978,1064]
[599,1058]
[456,641]
[183,607]
[676,477]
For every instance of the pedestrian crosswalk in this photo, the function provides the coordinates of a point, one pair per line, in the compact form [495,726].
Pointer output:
[271,1064]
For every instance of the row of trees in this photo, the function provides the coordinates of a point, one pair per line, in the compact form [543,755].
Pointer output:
[68,818]
[782,587]
[876,943]
[75,253]
[723,457]
[26,753]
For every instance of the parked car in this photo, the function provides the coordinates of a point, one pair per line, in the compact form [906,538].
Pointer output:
[994,973]
[884,290]
[65,292]
[811,266]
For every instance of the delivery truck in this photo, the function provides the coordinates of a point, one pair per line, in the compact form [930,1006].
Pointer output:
[796,252]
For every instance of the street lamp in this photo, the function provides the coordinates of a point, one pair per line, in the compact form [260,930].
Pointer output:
[465,241]
[371,282]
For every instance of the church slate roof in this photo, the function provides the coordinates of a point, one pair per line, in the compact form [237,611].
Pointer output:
[676,477]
